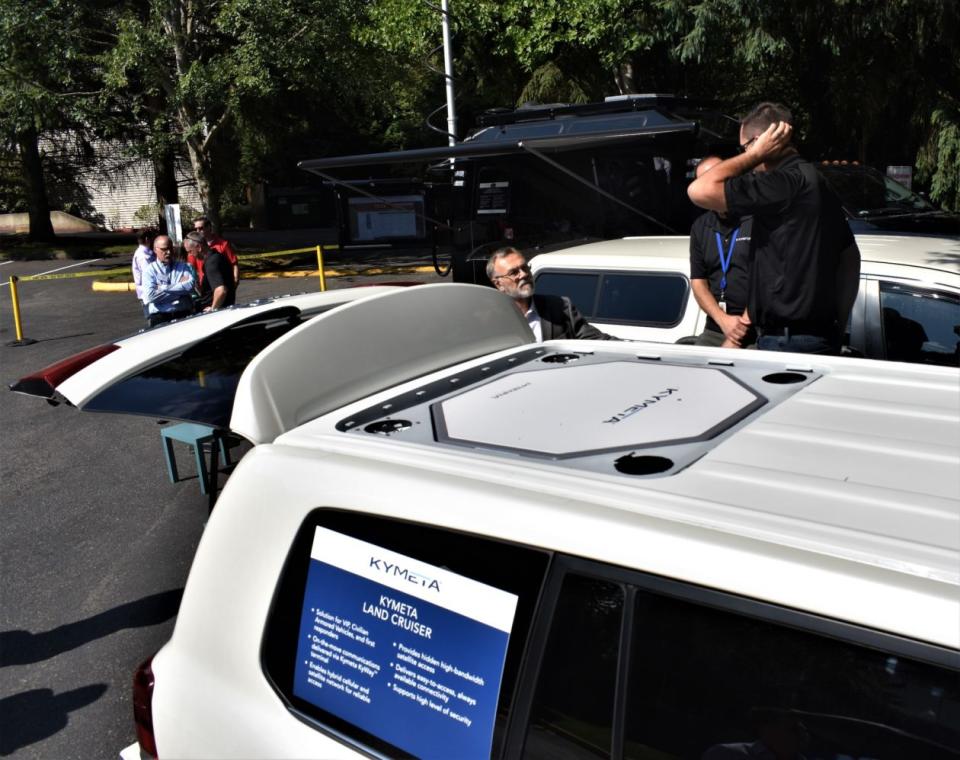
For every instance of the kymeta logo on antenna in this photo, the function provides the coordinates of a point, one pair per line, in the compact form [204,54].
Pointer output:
[631,410]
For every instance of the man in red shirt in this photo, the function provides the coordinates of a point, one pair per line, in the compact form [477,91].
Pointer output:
[216,243]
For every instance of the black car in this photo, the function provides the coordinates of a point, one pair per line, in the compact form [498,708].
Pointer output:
[874,202]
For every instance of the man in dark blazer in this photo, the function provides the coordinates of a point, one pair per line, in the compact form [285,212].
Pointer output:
[549,317]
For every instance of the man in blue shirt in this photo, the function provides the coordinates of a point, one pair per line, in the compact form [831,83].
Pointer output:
[167,285]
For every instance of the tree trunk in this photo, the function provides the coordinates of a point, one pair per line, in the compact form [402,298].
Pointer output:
[41,228]
[164,181]
[207,186]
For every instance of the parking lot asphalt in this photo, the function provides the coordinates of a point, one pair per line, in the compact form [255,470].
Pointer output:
[96,542]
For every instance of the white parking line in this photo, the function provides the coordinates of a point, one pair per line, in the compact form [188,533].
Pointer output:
[68,266]
[2,263]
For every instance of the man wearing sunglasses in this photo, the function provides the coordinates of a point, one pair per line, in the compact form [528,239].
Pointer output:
[805,260]
[549,317]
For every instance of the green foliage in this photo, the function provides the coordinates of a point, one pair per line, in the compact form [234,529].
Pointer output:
[939,159]
[246,88]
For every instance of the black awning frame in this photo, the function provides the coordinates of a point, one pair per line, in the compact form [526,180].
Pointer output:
[470,149]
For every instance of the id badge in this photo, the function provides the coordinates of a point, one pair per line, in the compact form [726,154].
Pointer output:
[723,306]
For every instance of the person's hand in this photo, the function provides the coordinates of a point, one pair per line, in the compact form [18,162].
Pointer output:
[771,142]
[207,308]
[733,329]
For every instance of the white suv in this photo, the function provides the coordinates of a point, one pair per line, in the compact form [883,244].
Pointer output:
[451,542]
[908,308]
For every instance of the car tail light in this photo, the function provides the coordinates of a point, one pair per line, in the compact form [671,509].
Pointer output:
[45,382]
[143,708]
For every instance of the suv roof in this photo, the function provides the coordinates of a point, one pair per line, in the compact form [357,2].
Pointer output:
[828,456]
[673,251]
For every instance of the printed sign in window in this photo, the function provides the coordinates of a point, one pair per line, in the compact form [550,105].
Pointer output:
[404,650]
[395,216]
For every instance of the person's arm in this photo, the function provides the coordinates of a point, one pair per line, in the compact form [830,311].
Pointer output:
[182,279]
[581,329]
[234,261]
[848,283]
[219,296]
[137,270]
[708,190]
[151,291]
[732,327]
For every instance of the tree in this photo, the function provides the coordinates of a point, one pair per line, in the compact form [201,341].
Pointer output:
[49,82]
[233,79]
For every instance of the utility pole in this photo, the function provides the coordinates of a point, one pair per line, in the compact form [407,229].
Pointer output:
[448,72]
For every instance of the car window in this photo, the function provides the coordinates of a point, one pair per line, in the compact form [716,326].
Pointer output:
[580,288]
[648,299]
[920,325]
[410,651]
[636,298]
[199,384]
[661,670]
[705,683]
[572,711]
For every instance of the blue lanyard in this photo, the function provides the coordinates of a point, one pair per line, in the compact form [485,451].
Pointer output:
[725,259]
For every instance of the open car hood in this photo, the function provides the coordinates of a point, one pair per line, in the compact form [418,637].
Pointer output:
[262,369]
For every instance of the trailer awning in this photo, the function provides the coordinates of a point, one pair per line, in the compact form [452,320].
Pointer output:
[562,134]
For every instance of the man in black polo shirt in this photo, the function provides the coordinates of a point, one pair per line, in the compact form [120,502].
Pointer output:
[720,273]
[805,257]
[218,284]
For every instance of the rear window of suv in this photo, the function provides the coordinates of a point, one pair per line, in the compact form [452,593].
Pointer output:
[655,299]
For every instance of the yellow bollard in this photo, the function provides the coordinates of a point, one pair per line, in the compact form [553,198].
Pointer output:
[323,279]
[18,325]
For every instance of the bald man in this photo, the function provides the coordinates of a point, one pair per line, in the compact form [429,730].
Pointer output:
[720,273]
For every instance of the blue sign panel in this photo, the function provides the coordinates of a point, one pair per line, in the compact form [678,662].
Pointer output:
[407,651]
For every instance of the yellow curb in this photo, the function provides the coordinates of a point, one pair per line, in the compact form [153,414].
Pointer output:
[128,287]
[113,287]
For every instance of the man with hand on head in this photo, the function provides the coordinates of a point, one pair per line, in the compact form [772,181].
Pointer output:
[217,285]
[720,273]
[805,260]
[549,317]
[167,285]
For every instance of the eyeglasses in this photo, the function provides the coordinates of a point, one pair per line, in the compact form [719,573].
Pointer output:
[514,273]
[163,248]
[746,146]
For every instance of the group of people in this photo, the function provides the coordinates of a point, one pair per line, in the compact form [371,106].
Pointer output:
[773,262]
[170,284]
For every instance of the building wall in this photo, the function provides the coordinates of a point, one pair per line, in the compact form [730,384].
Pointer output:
[115,183]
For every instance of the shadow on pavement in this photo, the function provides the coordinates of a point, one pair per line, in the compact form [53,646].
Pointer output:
[22,647]
[36,714]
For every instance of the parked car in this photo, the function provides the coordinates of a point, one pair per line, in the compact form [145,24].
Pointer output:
[908,307]
[874,202]
[443,544]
